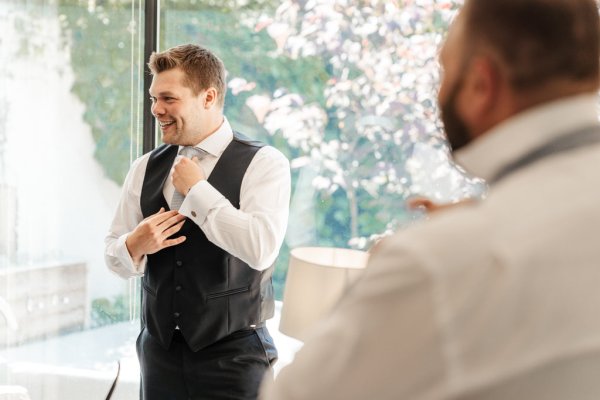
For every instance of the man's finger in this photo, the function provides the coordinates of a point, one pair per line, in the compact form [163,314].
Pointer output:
[417,202]
[158,219]
[173,229]
[162,209]
[173,242]
[174,219]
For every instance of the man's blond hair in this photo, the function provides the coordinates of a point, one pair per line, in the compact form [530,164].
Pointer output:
[202,68]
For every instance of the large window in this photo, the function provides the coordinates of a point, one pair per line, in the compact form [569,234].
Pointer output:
[345,89]
[69,128]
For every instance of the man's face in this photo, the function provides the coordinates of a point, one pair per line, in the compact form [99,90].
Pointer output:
[179,112]
[453,67]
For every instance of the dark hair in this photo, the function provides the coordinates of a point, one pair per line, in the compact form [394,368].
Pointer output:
[538,40]
[201,67]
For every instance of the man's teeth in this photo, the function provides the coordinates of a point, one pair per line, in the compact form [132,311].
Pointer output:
[166,123]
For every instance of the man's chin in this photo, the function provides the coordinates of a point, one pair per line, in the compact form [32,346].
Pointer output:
[170,137]
[166,140]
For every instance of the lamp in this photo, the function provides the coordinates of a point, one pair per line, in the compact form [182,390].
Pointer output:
[316,279]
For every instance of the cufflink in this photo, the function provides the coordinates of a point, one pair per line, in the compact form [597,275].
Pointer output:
[193,213]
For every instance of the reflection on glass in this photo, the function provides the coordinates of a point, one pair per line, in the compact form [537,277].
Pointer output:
[68,130]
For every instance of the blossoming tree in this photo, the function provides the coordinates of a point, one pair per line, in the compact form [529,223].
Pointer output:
[375,138]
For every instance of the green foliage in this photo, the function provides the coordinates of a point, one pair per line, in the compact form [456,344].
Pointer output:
[246,54]
[108,83]
[109,311]
[223,6]
[104,74]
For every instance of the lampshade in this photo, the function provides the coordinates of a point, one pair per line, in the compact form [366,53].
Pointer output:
[316,278]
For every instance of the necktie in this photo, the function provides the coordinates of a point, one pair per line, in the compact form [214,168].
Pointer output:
[189,152]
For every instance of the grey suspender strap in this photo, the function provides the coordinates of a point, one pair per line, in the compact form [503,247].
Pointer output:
[585,137]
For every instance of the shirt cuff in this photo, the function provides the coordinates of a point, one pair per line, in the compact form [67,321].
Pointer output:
[126,260]
[199,201]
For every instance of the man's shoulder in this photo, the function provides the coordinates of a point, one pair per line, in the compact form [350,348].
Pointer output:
[141,161]
[263,151]
[241,138]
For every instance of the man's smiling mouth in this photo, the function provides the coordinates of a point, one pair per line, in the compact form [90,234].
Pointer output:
[164,124]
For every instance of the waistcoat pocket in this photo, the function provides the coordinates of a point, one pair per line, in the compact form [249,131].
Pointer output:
[227,293]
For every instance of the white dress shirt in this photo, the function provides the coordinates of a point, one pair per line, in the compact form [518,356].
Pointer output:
[254,233]
[462,305]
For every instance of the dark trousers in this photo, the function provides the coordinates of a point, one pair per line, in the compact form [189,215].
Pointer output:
[231,369]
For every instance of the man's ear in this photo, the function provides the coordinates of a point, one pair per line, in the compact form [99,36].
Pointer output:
[482,91]
[210,97]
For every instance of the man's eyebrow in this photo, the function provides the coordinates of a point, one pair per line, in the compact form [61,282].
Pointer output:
[163,94]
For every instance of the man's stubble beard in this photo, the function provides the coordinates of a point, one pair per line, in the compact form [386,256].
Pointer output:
[456,130]
[174,138]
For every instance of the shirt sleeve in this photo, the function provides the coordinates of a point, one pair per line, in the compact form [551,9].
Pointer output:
[255,232]
[127,216]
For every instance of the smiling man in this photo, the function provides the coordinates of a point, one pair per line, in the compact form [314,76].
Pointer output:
[201,220]
[497,299]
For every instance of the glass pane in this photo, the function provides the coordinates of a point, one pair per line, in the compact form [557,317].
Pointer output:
[347,90]
[70,105]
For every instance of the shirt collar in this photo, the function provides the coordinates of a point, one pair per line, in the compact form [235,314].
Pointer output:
[217,142]
[516,136]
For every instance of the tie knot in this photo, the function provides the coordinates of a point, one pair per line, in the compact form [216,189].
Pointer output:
[191,151]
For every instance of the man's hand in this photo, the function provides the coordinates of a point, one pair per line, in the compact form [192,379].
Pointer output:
[429,206]
[186,173]
[151,235]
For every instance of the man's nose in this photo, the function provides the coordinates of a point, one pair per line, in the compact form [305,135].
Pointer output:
[157,110]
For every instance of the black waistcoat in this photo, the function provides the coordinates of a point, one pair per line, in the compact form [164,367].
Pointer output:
[196,285]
